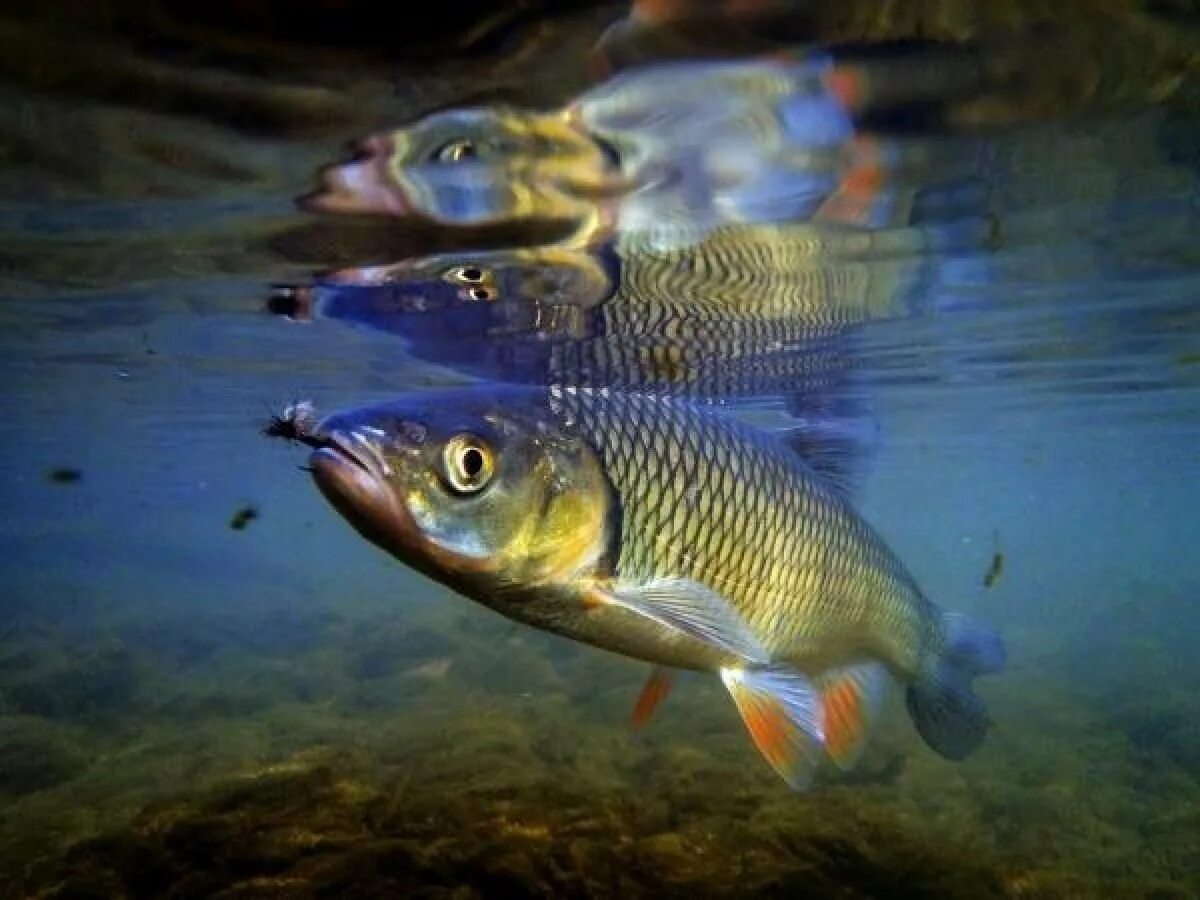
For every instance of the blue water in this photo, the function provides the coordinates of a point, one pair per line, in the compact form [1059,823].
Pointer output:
[285,709]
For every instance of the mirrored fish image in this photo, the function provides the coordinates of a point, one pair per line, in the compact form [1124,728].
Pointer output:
[738,273]
[744,295]
[749,312]
[681,147]
[623,520]
[723,448]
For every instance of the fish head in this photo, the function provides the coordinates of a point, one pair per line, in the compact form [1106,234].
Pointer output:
[471,167]
[488,134]
[482,490]
[541,292]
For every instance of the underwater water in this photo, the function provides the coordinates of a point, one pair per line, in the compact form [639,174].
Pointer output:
[950,256]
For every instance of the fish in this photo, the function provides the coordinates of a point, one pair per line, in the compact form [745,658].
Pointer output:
[669,533]
[734,276]
[671,150]
[748,311]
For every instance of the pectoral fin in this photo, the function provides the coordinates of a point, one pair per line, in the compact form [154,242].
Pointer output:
[782,712]
[851,698]
[690,608]
[657,686]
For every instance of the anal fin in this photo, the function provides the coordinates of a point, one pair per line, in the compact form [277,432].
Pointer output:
[782,711]
[657,686]
[851,698]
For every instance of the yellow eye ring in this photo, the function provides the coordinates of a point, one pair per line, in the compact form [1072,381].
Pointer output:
[467,464]
[457,151]
[469,275]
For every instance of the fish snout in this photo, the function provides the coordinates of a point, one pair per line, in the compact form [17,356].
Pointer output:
[291,301]
[353,474]
[359,186]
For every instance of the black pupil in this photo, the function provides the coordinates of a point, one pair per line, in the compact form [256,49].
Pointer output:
[472,462]
[463,150]
[479,293]
[472,274]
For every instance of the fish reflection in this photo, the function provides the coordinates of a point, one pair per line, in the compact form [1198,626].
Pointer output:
[735,275]
[663,532]
[672,150]
[751,310]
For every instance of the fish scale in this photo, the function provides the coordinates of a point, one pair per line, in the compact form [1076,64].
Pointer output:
[753,274]
[769,535]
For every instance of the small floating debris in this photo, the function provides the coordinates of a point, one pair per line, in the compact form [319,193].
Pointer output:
[996,567]
[64,475]
[994,571]
[243,517]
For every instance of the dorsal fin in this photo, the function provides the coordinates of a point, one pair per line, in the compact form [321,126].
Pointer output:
[832,460]
[834,444]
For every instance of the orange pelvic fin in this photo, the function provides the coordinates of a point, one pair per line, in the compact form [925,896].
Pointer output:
[782,712]
[851,698]
[657,686]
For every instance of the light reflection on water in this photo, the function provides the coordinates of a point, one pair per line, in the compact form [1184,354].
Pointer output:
[1001,320]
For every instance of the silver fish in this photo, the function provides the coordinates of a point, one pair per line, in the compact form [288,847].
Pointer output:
[668,533]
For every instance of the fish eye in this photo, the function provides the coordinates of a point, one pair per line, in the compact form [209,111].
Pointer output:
[457,151]
[467,464]
[469,274]
[481,294]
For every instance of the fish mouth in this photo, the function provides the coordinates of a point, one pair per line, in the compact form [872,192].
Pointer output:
[361,186]
[291,301]
[352,474]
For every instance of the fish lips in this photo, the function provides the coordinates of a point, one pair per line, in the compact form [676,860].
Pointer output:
[361,186]
[353,478]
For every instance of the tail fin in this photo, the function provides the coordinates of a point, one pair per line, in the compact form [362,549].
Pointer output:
[947,713]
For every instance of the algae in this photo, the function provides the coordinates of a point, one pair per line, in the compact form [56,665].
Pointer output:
[327,767]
